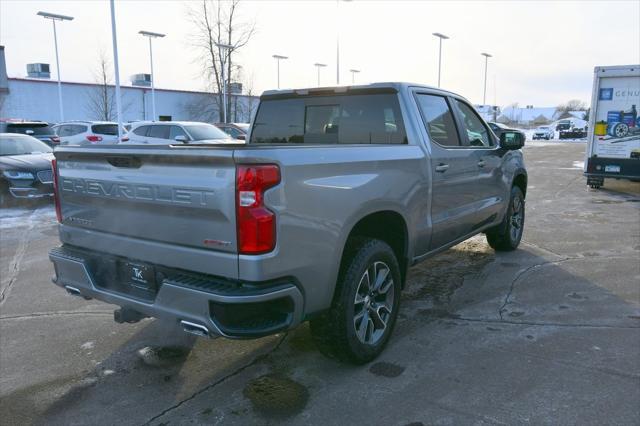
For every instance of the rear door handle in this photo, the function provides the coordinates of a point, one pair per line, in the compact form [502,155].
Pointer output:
[441,168]
[481,163]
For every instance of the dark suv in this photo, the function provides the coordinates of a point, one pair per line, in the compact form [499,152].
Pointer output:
[38,129]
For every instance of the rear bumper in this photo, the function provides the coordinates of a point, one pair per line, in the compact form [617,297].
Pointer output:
[222,307]
[29,192]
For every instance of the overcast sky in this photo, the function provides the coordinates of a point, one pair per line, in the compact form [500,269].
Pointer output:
[543,51]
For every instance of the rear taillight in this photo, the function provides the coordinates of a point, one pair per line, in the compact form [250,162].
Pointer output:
[55,140]
[256,224]
[56,190]
[94,138]
[124,139]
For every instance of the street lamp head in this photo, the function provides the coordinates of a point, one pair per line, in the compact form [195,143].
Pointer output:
[354,71]
[442,36]
[486,54]
[55,16]
[151,34]
[320,65]
[280,57]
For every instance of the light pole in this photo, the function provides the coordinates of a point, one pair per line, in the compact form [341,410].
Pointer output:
[353,75]
[54,17]
[486,61]
[151,36]
[318,65]
[441,37]
[278,58]
[223,60]
[338,41]
[116,68]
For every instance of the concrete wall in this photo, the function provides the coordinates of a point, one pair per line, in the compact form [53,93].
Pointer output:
[38,100]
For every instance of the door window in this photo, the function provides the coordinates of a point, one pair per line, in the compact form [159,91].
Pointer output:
[477,133]
[177,131]
[160,132]
[438,119]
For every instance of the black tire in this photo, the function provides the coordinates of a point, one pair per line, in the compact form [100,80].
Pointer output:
[335,332]
[507,235]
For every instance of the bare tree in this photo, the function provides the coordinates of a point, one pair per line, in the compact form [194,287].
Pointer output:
[101,97]
[216,22]
[572,105]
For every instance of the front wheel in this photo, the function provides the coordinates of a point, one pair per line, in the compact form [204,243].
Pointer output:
[365,306]
[507,235]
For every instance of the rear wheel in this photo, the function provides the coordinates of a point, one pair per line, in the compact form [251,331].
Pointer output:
[361,319]
[507,235]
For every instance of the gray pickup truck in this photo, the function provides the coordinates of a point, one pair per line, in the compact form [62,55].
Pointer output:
[337,192]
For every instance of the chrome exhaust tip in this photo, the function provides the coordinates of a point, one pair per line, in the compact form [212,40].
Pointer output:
[195,329]
[72,290]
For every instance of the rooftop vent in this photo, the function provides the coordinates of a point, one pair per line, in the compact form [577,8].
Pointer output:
[38,71]
[141,80]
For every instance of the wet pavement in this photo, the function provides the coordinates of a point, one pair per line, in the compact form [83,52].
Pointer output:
[548,334]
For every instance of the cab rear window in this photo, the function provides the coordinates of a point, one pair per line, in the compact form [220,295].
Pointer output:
[341,119]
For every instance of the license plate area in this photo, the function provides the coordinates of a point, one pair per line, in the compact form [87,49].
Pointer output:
[120,275]
[139,275]
[610,168]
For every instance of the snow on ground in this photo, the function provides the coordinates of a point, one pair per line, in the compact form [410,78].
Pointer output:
[14,217]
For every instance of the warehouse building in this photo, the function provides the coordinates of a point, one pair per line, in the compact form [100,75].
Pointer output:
[35,97]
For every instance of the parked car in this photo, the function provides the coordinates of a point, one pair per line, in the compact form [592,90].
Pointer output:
[318,217]
[38,129]
[573,133]
[543,132]
[499,129]
[25,168]
[171,132]
[564,125]
[88,132]
[235,130]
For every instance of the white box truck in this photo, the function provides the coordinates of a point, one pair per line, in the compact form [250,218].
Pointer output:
[613,141]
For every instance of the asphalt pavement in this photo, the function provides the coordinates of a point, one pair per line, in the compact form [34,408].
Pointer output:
[548,334]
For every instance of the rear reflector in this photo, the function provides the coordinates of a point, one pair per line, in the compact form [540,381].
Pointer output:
[255,223]
[56,190]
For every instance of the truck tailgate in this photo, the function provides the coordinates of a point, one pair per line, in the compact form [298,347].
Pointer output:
[172,198]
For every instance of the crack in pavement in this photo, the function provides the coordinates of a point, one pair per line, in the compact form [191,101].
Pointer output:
[520,274]
[545,324]
[219,381]
[14,268]
[55,314]
[524,272]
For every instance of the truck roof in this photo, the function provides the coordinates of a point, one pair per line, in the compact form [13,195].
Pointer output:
[382,86]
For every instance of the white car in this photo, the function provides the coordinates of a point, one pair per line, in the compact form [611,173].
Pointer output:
[87,132]
[543,132]
[171,132]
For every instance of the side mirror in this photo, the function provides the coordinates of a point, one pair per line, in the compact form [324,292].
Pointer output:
[181,139]
[511,140]
[241,137]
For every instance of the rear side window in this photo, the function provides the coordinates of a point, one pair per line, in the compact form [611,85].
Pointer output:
[438,119]
[141,131]
[30,128]
[105,129]
[161,132]
[346,119]
[76,129]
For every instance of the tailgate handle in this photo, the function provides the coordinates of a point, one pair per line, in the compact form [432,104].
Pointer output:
[127,162]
